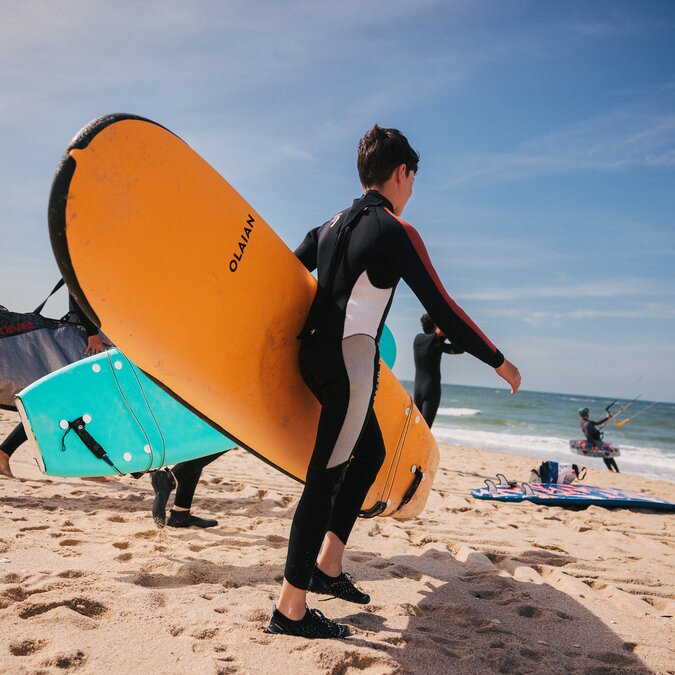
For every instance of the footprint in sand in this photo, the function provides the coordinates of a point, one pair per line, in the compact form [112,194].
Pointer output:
[71,574]
[14,578]
[33,527]
[381,564]
[529,612]
[84,606]
[26,647]
[66,661]
[124,557]
[405,572]
[205,634]
[228,666]
[122,545]
[276,540]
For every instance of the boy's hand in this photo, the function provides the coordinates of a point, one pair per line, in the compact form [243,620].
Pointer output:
[96,344]
[511,374]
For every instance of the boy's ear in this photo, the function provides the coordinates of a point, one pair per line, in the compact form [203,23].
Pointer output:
[400,172]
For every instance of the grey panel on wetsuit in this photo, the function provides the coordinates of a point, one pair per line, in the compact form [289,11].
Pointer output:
[359,353]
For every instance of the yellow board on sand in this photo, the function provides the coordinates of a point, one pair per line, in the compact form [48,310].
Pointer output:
[200,293]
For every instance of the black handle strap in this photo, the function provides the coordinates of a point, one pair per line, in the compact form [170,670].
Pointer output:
[410,492]
[375,510]
[96,449]
[38,309]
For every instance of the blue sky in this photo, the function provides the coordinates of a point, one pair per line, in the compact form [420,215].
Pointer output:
[546,190]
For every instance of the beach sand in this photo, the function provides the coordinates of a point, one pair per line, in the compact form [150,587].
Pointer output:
[88,584]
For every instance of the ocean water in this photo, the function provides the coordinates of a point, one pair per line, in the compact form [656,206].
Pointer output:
[540,425]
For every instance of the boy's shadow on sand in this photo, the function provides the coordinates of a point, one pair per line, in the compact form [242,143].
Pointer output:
[475,618]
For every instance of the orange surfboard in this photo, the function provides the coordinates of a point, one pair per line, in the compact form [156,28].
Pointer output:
[199,292]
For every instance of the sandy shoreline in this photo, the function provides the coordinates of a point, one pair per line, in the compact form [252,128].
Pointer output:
[87,583]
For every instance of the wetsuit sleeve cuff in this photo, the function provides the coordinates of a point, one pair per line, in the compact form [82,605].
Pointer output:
[497,359]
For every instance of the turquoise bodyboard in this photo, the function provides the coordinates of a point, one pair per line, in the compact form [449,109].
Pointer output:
[388,347]
[137,424]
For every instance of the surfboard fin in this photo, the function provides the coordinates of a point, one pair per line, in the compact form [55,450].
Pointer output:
[492,488]
[527,489]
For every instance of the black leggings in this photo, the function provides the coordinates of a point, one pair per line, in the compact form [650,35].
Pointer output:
[16,437]
[187,476]
[427,400]
[348,451]
[611,464]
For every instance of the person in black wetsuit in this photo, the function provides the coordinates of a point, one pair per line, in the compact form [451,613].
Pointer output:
[186,474]
[428,347]
[593,435]
[360,256]
[96,343]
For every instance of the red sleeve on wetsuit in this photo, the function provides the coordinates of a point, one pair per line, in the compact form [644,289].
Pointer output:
[417,271]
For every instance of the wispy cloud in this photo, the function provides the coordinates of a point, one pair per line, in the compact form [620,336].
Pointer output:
[610,288]
[606,143]
[650,311]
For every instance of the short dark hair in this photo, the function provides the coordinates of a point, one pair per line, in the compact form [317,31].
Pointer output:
[428,325]
[380,152]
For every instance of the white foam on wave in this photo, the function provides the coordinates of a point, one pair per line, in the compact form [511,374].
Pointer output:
[648,462]
[458,412]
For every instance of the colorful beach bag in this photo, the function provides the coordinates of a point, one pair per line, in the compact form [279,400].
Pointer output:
[554,472]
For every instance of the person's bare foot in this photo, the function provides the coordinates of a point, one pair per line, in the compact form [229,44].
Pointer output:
[4,465]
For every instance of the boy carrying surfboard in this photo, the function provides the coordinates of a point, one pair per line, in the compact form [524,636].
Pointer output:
[360,256]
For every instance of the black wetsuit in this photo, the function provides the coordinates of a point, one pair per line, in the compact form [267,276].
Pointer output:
[594,436]
[187,475]
[360,255]
[427,352]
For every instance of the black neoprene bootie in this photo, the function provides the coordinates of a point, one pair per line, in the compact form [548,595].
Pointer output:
[186,519]
[340,586]
[314,625]
[163,483]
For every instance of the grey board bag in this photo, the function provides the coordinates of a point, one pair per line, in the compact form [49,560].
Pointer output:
[32,345]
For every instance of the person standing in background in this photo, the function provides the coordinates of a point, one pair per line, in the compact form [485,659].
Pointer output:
[428,348]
